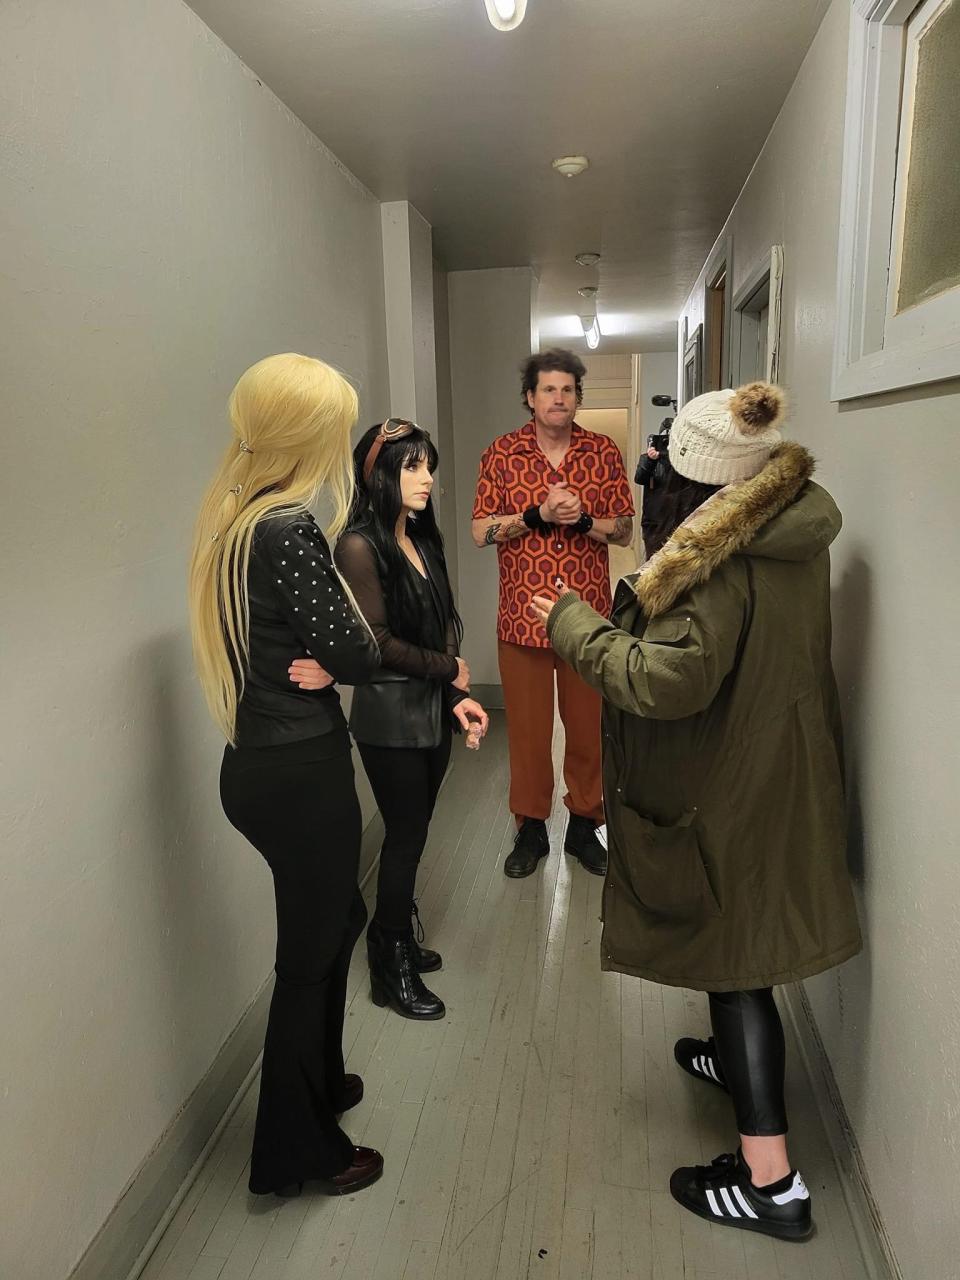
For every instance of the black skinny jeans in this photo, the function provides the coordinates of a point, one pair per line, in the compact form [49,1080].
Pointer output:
[748,1034]
[297,805]
[405,782]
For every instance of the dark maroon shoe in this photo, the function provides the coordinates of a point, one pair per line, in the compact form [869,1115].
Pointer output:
[366,1168]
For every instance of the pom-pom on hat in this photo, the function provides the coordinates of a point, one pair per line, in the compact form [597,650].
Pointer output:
[725,436]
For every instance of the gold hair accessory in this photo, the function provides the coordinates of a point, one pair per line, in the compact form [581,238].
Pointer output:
[244,447]
[392,429]
[238,489]
[214,536]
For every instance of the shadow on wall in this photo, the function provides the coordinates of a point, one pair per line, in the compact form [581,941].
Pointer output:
[189,840]
[844,995]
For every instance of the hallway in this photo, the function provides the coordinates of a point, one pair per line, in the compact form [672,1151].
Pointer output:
[531,1132]
[686,197]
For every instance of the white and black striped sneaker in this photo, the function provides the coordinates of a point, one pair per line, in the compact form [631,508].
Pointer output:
[699,1059]
[722,1192]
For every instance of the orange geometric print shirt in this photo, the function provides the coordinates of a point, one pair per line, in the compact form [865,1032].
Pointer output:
[515,474]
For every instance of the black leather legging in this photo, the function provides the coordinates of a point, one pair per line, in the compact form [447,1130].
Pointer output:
[749,1037]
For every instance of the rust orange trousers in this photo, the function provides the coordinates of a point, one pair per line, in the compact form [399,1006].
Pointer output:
[528,677]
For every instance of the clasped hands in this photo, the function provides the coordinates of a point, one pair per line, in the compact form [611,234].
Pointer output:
[561,506]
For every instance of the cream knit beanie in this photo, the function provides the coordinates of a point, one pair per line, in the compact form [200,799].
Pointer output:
[725,436]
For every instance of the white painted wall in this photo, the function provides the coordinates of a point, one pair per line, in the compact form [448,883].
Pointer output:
[447,510]
[166,222]
[490,319]
[408,304]
[890,1020]
[658,376]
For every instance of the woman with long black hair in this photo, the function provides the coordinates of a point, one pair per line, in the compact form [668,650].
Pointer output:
[392,557]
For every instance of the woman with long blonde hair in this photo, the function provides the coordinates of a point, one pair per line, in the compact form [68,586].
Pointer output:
[263,586]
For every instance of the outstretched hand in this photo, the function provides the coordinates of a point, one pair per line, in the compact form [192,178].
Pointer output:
[542,606]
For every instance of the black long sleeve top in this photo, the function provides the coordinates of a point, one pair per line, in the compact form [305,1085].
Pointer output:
[298,606]
[356,559]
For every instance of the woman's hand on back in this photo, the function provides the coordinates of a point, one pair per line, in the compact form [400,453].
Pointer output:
[308,674]
[462,681]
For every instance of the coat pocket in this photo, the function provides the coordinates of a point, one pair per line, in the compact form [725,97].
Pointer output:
[664,866]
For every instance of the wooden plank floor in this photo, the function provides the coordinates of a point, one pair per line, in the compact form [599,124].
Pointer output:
[532,1132]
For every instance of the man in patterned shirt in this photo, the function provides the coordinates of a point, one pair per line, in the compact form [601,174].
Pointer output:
[551,497]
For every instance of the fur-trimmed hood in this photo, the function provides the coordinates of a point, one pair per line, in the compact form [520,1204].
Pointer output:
[778,514]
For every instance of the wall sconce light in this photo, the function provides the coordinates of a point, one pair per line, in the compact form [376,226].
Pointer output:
[505,15]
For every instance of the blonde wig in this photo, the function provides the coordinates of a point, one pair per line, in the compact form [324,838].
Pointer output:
[292,417]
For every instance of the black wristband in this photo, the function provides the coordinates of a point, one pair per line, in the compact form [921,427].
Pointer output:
[584,524]
[533,519]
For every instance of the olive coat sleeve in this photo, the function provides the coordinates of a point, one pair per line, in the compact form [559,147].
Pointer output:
[674,670]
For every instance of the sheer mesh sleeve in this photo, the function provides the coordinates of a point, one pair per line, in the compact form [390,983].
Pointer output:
[453,695]
[357,562]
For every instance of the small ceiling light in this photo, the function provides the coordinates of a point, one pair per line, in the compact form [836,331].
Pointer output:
[591,331]
[588,291]
[505,15]
[571,166]
[587,259]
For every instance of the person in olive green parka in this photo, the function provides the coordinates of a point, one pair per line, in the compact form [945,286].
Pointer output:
[723,774]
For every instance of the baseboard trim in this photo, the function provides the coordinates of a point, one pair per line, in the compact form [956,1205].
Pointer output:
[490,696]
[125,1242]
[878,1255]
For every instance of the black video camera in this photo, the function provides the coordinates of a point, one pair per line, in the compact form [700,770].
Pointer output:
[662,441]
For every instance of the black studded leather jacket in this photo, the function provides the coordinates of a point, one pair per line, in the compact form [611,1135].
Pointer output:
[299,607]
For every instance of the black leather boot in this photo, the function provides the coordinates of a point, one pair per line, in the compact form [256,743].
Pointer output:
[427,961]
[583,842]
[530,845]
[394,978]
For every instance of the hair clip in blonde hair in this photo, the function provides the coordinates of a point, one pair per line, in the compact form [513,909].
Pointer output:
[215,536]
[244,447]
[237,489]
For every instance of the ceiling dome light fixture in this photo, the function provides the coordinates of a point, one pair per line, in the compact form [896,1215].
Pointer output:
[571,166]
[505,15]
[587,259]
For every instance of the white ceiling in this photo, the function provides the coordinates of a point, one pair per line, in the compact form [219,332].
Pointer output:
[424,101]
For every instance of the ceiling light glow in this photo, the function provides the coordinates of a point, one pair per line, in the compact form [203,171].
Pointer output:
[505,15]
[591,331]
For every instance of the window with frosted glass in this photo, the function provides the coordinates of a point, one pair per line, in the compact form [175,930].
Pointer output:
[930,236]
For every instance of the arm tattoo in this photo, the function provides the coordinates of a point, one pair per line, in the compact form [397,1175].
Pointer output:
[500,532]
[622,529]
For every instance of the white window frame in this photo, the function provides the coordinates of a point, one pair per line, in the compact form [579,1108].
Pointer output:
[769,272]
[871,355]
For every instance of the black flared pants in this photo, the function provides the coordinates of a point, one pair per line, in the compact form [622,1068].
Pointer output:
[297,805]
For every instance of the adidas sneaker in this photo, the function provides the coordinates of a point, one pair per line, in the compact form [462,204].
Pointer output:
[699,1059]
[722,1192]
